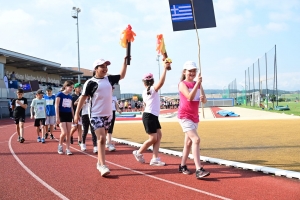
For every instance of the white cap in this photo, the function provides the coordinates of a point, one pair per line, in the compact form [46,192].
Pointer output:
[100,62]
[188,65]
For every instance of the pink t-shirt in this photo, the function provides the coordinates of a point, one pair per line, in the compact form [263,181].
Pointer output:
[189,109]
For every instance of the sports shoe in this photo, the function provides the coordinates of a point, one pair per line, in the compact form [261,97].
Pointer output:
[95,149]
[68,152]
[60,150]
[51,136]
[38,139]
[183,169]
[18,140]
[138,157]
[82,147]
[111,147]
[103,169]
[157,162]
[43,140]
[22,139]
[46,135]
[71,140]
[79,143]
[200,173]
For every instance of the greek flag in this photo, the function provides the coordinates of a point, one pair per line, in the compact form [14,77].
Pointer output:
[181,12]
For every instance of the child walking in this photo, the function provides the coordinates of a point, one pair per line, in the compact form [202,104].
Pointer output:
[64,115]
[38,105]
[150,118]
[19,106]
[99,89]
[50,112]
[191,92]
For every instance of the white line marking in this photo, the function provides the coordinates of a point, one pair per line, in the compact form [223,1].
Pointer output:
[33,174]
[157,178]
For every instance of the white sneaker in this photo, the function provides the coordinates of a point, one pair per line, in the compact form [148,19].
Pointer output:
[103,169]
[95,149]
[111,147]
[68,152]
[60,150]
[138,157]
[157,162]
[82,147]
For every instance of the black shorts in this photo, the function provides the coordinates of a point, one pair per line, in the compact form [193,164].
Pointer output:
[151,123]
[20,118]
[65,117]
[39,122]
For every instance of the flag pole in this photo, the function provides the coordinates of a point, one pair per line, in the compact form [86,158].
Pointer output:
[199,63]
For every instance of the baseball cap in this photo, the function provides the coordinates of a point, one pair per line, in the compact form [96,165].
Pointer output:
[148,77]
[100,62]
[49,88]
[40,91]
[77,85]
[188,65]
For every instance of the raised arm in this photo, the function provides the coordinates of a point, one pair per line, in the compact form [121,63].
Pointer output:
[124,69]
[162,78]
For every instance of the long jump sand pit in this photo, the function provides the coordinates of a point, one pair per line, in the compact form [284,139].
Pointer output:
[269,142]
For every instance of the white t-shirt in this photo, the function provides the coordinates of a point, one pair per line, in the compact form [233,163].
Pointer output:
[39,106]
[85,107]
[100,91]
[152,101]
[114,101]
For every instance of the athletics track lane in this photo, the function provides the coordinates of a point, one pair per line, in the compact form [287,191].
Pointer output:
[76,177]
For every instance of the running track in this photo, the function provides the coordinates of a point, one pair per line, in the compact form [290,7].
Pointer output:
[35,171]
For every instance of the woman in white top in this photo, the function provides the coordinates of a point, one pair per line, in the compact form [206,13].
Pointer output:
[150,118]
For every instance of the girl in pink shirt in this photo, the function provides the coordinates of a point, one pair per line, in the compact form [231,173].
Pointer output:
[191,92]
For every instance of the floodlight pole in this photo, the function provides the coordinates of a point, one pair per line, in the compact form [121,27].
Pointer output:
[77,10]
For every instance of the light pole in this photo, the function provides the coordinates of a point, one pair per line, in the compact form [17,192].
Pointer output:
[157,59]
[75,12]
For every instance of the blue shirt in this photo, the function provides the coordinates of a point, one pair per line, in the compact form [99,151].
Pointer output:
[50,102]
[65,102]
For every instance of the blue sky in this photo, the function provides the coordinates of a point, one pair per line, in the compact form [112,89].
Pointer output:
[246,30]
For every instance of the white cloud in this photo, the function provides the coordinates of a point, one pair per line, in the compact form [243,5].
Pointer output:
[272,26]
[255,31]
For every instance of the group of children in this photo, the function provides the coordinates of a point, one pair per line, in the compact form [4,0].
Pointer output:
[92,108]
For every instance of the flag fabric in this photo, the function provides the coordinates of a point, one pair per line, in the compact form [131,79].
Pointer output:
[181,12]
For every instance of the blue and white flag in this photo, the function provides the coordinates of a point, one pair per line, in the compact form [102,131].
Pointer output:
[181,12]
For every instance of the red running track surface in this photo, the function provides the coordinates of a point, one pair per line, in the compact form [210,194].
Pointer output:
[53,176]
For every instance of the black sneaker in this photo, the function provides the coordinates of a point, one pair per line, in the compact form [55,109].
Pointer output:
[22,140]
[71,140]
[200,173]
[51,136]
[183,169]
[46,135]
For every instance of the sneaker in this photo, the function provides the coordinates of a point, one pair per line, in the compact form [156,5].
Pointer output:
[71,140]
[95,149]
[183,169]
[82,147]
[111,147]
[60,150]
[200,173]
[18,140]
[22,139]
[46,135]
[157,162]
[43,140]
[79,143]
[68,152]
[103,169]
[38,139]
[51,136]
[138,157]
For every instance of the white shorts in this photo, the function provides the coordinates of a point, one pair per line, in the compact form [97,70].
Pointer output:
[79,122]
[50,120]
[188,125]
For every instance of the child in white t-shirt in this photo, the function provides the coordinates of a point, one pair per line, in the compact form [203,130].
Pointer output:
[151,123]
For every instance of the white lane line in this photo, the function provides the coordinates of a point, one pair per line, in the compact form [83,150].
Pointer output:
[33,174]
[157,178]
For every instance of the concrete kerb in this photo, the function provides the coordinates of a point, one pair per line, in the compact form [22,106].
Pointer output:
[245,166]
